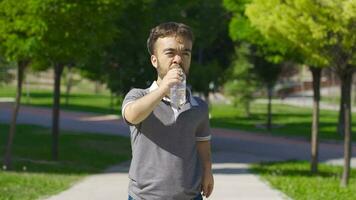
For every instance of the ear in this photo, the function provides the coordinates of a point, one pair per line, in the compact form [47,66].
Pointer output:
[154,61]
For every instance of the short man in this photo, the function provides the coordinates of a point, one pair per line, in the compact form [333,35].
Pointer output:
[171,157]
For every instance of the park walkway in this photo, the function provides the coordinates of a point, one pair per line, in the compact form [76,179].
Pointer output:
[233,151]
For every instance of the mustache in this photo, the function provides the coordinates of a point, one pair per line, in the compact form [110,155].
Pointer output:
[179,66]
[176,66]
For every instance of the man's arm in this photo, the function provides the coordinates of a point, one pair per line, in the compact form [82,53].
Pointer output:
[205,157]
[138,110]
[135,112]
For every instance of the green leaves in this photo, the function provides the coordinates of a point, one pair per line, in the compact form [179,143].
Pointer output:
[20,28]
[108,37]
[242,81]
[315,28]
[75,29]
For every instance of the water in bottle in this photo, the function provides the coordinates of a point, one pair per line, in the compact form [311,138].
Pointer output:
[177,93]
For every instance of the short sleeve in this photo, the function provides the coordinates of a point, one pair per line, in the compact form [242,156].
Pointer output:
[130,97]
[204,131]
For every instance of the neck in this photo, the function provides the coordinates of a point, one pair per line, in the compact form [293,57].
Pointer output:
[158,81]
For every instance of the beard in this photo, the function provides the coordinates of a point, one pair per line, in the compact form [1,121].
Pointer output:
[162,71]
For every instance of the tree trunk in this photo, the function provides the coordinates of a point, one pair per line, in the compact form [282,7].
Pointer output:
[341,122]
[111,102]
[353,88]
[8,151]
[316,73]
[247,109]
[269,108]
[346,80]
[96,88]
[58,69]
[69,84]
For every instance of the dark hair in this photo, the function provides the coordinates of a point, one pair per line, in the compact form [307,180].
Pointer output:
[168,29]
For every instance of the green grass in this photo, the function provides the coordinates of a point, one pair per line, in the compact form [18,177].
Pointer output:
[332,100]
[336,100]
[79,155]
[290,120]
[80,101]
[294,179]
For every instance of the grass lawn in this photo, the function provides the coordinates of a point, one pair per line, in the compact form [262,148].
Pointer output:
[332,100]
[79,155]
[80,101]
[294,179]
[291,120]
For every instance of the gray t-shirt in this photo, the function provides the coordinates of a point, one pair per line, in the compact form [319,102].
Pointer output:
[165,164]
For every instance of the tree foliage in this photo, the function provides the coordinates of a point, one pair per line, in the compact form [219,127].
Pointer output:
[127,62]
[21,29]
[324,32]
[265,54]
[242,82]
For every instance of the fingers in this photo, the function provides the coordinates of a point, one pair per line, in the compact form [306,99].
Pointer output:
[173,76]
[207,189]
[210,190]
[176,74]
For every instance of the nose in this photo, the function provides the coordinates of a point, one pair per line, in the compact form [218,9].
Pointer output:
[177,59]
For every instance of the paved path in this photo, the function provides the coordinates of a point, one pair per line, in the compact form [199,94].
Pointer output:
[304,101]
[233,152]
[232,181]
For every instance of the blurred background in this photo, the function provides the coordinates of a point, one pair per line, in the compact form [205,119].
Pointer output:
[280,69]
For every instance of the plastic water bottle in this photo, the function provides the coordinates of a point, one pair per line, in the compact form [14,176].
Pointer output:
[177,93]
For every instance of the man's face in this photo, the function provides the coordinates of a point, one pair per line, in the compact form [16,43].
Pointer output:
[171,52]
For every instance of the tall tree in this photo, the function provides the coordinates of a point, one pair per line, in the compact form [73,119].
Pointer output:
[325,33]
[20,32]
[241,82]
[75,31]
[297,54]
[212,47]
[268,74]
[265,54]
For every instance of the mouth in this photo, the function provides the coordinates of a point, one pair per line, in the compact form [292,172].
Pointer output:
[175,66]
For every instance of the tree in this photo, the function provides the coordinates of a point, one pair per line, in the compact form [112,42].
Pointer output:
[297,56]
[241,81]
[265,54]
[75,31]
[268,73]
[325,34]
[20,32]
[212,46]
[69,81]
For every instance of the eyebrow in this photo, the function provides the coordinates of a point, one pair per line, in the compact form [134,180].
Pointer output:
[172,49]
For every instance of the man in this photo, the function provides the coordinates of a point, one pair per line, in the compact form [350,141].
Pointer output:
[171,157]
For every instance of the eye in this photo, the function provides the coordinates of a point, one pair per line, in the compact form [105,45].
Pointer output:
[169,53]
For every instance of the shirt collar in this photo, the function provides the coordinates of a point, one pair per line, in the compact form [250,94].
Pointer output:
[154,86]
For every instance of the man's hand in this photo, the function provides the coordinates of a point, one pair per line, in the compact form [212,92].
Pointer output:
[207,184]
[173,76]
[137,111]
